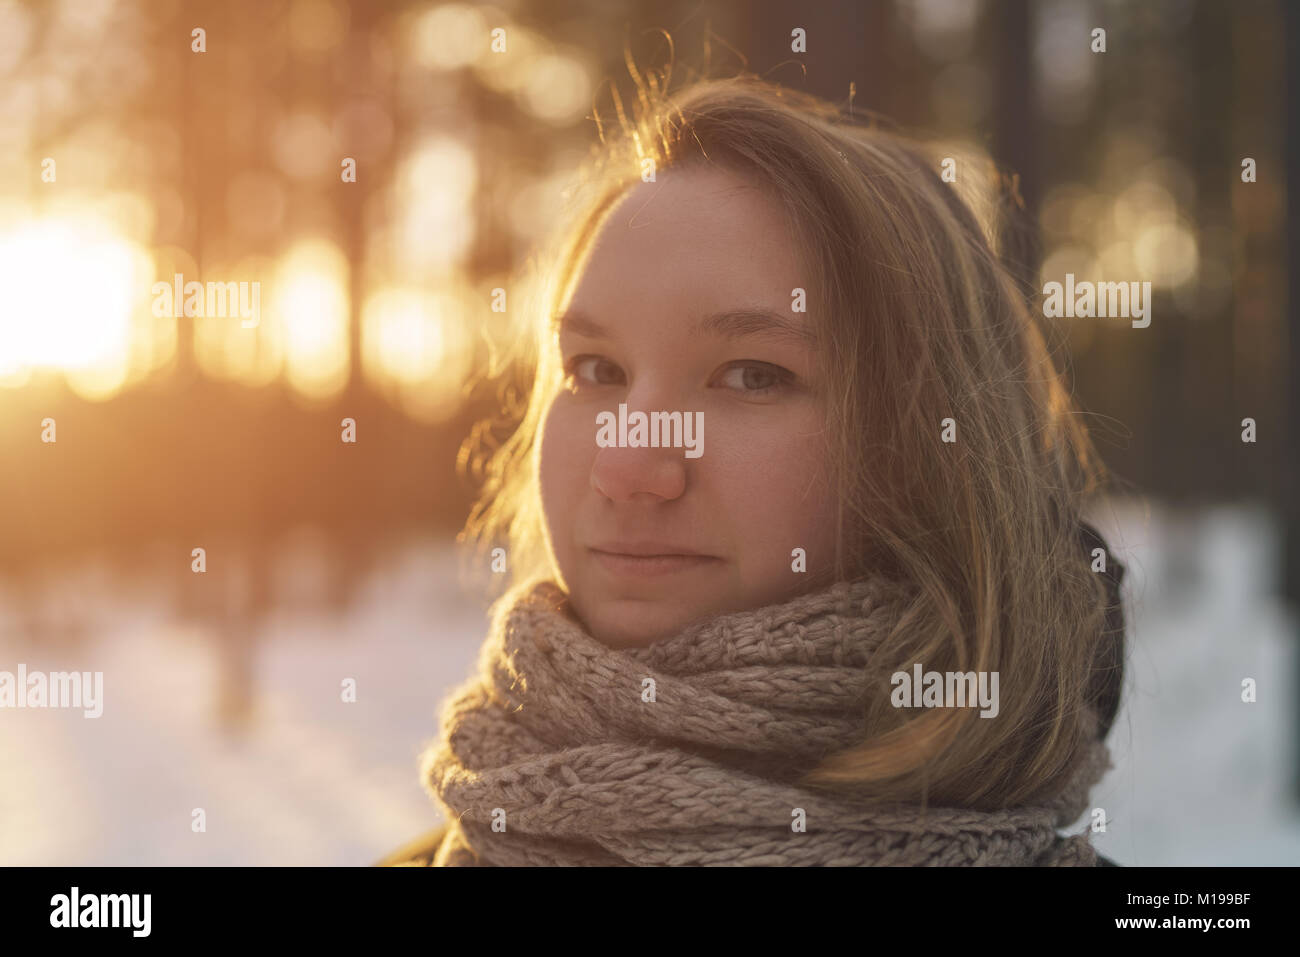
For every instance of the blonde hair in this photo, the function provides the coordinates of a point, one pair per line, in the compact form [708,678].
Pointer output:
[917,320]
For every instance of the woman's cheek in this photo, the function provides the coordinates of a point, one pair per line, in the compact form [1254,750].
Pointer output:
[781,473]
[564,465]
[771,462]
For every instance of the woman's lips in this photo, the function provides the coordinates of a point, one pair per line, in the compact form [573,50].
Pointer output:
[643,566]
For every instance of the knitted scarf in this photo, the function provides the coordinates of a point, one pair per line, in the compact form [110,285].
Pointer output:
[561,752]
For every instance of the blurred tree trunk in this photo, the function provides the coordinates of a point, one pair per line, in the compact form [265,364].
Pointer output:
[1206,375]
[1016,131]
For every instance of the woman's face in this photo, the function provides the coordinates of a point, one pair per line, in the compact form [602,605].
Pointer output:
[685,306]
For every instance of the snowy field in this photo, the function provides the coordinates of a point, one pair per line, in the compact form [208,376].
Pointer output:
[1201,778]
[312,780]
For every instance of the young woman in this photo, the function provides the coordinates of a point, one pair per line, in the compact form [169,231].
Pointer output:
[793,519]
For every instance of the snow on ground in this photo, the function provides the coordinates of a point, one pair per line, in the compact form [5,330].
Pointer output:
[1200,777]
[314,780]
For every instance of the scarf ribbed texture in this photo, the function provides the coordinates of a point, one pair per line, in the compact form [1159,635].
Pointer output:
[554,738]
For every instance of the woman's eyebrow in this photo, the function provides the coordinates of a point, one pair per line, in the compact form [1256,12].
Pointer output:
[575,323]
[754,321]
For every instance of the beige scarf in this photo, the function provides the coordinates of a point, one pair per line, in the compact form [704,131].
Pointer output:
[563,751]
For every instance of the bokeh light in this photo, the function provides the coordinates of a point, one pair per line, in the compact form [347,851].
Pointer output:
[72,285]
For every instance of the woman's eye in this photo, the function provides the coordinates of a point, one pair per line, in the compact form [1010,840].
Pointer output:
[756,378]
[592,370]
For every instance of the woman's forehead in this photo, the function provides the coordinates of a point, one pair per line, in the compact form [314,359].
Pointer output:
[710,200]
[701,235]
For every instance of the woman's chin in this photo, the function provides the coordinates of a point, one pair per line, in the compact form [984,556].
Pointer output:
[635,623]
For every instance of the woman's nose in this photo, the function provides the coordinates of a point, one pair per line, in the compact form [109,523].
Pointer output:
[626,474]
[638,473]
